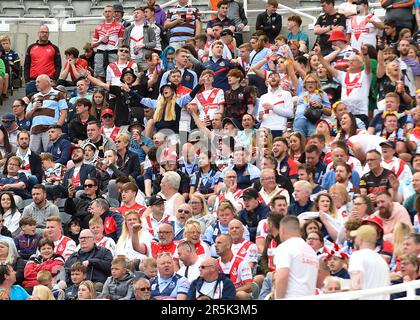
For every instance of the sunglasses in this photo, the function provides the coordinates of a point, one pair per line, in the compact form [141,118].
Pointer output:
[144,289]
[106,116]
[89,185]
[185,211]
[125,51]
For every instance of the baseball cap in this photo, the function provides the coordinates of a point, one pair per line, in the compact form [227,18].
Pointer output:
[226,32]
[118,7]
[156,199]
[388,143]
[107,111]
[250,193]
[8,119]
[377,221]
[365,233]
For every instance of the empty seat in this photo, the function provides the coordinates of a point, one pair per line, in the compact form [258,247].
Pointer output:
[96,11]
[60,11]
[38,11]
[13,10]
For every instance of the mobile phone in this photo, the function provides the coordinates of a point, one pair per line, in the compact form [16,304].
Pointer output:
[69,182]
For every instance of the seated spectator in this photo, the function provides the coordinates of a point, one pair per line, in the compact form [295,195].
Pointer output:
[11,214]
[53,171]
[77,275]
[27,241]
[63,245]
[302,195]
[79,206]
[97,227]
[78,126]
[128,199]
[119,284]
[166,275]
[337,261]
[60,148]
[331,284]
[112,221]
[14,181]
[86,290]
[109,129]
[73,62]
[9,255]
[140,144]
[97,259]
[47,260]
[8,289]
[141,289]
[41,208]
[99,140]
[12,128]
[44,278]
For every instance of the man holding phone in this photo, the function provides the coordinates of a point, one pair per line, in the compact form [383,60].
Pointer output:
[183,23]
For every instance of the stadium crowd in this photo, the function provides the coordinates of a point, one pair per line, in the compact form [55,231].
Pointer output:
[173,160]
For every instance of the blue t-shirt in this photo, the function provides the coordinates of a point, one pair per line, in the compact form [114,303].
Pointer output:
[300,36]
[18,293]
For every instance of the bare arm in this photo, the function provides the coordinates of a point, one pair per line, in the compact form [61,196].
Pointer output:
[200,124]
[356,280]
[326,65]
[380,68]
[246,287]
[281,282]
[135,241]
[63,117]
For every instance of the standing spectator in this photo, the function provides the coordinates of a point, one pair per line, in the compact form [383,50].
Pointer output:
[296,262]
[364,26]
[183,23]
[400,12]
[96,259]
[237,13]
[47,107]
[42,57]
[41,208]
[219,66]
[107,38]
[119,14]
[222,12]
[355,82]
[114,71]
[367,268]
[140,37]
[330,20]
[160,14]
[89,56]
[270,21]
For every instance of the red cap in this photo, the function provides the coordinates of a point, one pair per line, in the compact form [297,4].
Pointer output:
[337,35]
[107,111]
[375,220]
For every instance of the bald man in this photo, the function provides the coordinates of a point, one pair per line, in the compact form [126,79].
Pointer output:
[48,107]
[241,247]
[211,284]
[96,259]
[42,57]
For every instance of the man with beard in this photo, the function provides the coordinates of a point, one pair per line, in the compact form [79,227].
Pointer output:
[410,68]
[155,215]
[41,208]
[270,242]
[286,166]
[391,213]
[31,162]
[247,173]
[343,175]
[277,106]
[77,175]
[124,105]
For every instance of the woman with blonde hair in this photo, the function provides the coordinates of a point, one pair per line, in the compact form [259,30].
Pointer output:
[127,162]
[41,292]
[124,246]
[200,211]
[313,103]
[86,291]
[401,231]
[168,106]
[192,233]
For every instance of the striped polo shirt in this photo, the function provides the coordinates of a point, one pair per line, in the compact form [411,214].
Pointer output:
[186,30]
[53,103]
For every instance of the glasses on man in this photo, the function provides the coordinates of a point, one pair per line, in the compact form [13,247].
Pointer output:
[89,185]
[124,50]
[313,239]
[143,289]
[184,211]
[85,238]
[164,232]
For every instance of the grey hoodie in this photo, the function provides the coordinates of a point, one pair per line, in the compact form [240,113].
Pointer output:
[121,289]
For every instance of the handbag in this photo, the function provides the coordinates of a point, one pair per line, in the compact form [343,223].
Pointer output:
[313,114]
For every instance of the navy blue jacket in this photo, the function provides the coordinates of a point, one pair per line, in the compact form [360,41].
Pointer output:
[223,283]
[251,219]
[295,209]
[113,224]
[99,268]
[220,68]
[60,150]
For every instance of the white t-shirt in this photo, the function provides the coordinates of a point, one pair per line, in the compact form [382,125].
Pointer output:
[251,252]
[301,260]
[282,102]
[136,38]
[193,270]
[362,32]
[355,95]
[374,269]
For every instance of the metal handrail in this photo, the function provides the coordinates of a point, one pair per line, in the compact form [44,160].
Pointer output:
[52,23]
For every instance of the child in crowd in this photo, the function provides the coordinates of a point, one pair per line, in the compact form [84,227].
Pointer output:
[119,285]
[44,278]
[52,171]
[77,275]
[27,242]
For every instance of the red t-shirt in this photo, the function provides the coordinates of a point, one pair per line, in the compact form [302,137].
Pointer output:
[79,63]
